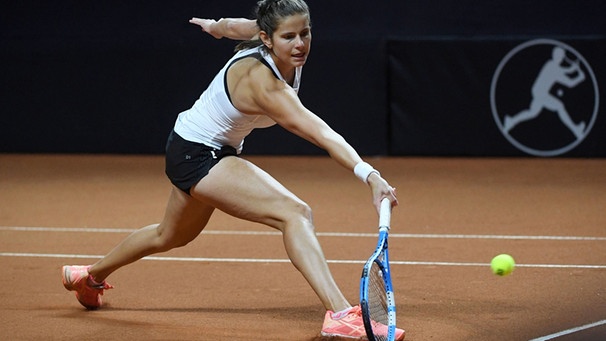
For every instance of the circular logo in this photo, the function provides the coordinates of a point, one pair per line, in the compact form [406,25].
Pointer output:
[544,97]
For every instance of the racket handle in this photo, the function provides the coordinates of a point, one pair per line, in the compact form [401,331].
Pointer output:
[385,213]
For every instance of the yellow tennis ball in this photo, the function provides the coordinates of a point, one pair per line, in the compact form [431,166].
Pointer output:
[502,265]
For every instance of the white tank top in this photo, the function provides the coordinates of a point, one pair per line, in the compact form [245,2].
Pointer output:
[214,121]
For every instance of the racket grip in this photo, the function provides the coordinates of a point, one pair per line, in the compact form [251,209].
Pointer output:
[385,213]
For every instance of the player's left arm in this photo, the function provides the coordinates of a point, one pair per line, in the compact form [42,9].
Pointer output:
[232,28]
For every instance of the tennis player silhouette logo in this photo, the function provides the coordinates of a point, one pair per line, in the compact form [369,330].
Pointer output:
[551,110]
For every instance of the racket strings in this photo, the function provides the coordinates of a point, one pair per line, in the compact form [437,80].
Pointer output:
[377,303]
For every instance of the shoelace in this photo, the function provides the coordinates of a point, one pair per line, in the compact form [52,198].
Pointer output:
[355,311]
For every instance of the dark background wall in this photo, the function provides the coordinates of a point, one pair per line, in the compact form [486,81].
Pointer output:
[111,76]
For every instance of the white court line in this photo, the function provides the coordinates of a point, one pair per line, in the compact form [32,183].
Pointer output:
[273,260]
[570,331]
[320,234]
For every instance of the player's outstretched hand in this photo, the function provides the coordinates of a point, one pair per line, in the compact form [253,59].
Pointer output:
[231,28]
[206,25]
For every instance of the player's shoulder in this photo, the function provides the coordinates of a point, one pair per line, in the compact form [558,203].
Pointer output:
[251,66]
[252,85]
[256,75]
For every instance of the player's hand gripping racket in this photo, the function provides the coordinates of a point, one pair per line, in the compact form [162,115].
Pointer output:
[376,293]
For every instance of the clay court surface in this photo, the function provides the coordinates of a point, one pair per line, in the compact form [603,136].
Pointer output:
[235,282]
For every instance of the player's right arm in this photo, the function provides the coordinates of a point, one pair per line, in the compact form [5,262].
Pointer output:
[232,28]
[256,91]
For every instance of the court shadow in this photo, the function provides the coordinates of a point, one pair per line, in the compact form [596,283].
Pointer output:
[301,313]
[329,338]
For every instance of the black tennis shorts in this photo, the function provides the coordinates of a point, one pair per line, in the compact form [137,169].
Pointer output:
[188,162]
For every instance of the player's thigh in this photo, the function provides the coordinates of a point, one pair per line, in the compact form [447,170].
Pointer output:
[184,218]
[242,189]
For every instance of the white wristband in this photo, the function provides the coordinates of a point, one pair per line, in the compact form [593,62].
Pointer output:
[363,170]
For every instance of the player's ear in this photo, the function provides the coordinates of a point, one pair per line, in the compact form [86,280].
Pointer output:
[265,39]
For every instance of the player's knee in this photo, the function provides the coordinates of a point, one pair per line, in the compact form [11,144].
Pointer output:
[301,209]
[300,215]
[168,241]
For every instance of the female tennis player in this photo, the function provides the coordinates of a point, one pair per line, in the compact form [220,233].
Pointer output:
[256,88]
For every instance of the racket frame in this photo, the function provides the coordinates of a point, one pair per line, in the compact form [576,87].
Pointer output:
[381,257]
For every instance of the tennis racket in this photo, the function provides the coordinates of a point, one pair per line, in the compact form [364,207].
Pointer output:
[376,292]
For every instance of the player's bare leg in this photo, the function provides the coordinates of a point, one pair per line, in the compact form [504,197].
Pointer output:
[243,190]
[183,221]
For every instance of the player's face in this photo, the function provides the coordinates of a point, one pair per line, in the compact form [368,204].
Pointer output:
[291,41]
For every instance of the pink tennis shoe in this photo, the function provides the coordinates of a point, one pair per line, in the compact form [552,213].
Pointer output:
[350,325]
[76,278]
